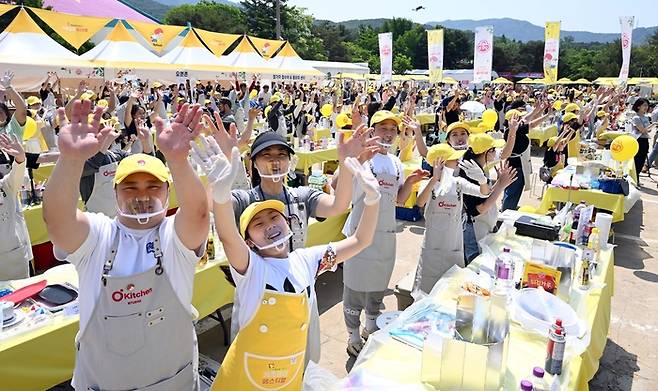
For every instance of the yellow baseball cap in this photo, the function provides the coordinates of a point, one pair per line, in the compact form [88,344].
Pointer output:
[571,107]
[551,141]
[557,105]
[482,142]
[343,120]
[274,98]
[512,113]
[141,162]
[383,115]
[459,125]
[103,103]
[444,151]
[156,84]
[253,209]
[601,113]
[88,95]
[568,117]
[32,100]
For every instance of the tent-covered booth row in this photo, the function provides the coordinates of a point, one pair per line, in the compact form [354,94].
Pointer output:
[30,53]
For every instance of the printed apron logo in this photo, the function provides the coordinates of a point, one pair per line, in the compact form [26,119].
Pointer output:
[130,295]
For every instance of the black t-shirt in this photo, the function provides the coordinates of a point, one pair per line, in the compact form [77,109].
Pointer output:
[92,165]
[521,143]
[552,158]
[452,116]
[499,104]
[471,202]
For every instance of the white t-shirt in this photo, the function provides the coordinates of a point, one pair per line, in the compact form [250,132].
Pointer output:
[300,269]
[134,255]
[389,164]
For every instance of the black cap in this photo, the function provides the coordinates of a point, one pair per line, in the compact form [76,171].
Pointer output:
[268,139]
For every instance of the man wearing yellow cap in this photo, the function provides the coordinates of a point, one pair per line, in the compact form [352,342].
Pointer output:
[136,271]
[366,277]
[273,284]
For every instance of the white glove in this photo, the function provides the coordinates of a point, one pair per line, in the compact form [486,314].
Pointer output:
[473,171]
[5,81]
[368,182]
[220,172]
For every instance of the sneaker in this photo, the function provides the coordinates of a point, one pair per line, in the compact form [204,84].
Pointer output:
[354,348]
[365,333]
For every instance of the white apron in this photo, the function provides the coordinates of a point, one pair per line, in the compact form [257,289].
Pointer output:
[443,244]
[140,336]
[15,247]
[371,269]
[102,198]
[526,165]
[484,223]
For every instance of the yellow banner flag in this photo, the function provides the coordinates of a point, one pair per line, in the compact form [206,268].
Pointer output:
[157,36]
[551,51]
[435,54]
[217,42]
[75,30]
[266,47]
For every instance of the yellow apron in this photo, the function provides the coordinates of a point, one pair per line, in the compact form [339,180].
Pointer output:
[268,353]
[573,147]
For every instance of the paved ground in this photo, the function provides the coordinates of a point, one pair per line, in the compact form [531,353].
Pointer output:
[630,359]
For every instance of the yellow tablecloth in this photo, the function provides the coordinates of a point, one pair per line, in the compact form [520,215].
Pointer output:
[307,159]
[614,203]
[320,133]
[401,364]
[609,136]
[542,134]
[45,357]
[44,171]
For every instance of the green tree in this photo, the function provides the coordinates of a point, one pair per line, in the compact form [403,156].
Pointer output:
[261,17]
[208,15]
[401,63]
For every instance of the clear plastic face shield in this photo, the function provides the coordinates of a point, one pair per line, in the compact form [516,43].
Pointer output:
[142,209]
[276,234]
[387,131]
[275,168]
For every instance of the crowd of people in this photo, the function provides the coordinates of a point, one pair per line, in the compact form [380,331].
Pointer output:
[121,146]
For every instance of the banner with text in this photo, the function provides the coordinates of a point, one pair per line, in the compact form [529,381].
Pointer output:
[551,51]
[435,54]
[483,54]
[386,56]
[626,41]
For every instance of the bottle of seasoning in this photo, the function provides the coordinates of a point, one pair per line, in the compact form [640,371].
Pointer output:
[526,385]
[539,382]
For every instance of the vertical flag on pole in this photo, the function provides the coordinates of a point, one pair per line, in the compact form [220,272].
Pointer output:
[551,51]
[386,56]
[626,40]
[483,54]
[435,54]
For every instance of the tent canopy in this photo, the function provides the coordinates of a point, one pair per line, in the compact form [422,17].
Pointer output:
[191,54]
[245,58]
[289,62]
[501,80]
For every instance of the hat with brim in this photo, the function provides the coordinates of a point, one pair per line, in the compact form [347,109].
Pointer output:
[383,115]
[459,125]
[444,151]
[568,117]
[269,139]
[32,100]
[141,162]
[253,209]
[482,142]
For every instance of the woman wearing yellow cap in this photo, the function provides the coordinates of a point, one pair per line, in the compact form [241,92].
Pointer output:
[273,283]
[442,198]
[481,213]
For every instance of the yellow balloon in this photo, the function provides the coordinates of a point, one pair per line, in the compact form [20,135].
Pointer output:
[30,128]
[489,116]
[326,109]
[488,125]
[624,148]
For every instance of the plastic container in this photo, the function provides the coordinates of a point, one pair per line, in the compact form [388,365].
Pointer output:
[539,382]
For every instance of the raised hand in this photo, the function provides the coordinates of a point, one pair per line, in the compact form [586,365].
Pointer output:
[366,179]
[220,172]
[11,146]
[473,171]
[254,112]
[411,123]
[437,168]
[174,141]
[227,140]
[417,176]
[80,140]
[6,79]
[506,174]
[357,144]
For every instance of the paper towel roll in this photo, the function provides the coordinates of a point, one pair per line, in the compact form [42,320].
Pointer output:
[603,222]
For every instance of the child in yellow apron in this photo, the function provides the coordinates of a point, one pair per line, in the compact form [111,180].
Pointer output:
[272,283]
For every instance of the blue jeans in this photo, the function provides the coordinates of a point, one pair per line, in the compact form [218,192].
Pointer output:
[652,156]
[471,247]
[513,192]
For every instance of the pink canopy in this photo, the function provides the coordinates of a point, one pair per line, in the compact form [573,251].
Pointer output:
[103,8]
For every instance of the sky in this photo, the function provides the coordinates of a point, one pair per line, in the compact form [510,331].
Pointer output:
[600,16]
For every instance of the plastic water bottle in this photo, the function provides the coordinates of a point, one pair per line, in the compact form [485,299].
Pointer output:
[539,382]
[504,269]
[526,385]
